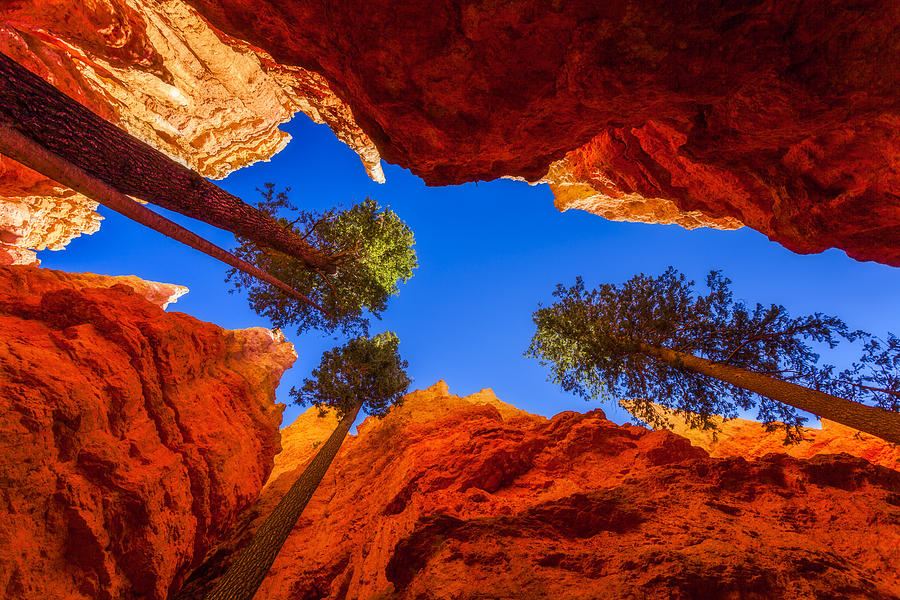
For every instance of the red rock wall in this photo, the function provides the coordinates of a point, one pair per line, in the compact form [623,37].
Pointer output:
[749,439]
[776,114]
[781,114]
[131,437]
[469,498]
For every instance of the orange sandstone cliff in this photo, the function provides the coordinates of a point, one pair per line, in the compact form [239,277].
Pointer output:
[749,439]
[469,498]
[778,115]
[136,444]
[131,437]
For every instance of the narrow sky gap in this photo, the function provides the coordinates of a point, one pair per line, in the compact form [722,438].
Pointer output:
[488,253]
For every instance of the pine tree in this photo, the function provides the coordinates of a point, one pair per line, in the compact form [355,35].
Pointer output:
[653,340]
[365,373]
[65,128]
[371,246]
[876,376]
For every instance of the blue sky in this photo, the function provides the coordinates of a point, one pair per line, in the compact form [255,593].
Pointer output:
[488,253]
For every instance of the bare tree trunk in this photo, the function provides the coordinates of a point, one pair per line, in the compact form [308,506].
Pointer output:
[21,148]
[71,131]
[244,577]
[881,423]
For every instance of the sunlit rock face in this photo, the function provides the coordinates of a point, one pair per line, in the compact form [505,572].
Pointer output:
[159,71]
[131,437]
[778,115]
[44,222]
[468,498]
[749,439]
[601,196]
[38,214]
[48,280]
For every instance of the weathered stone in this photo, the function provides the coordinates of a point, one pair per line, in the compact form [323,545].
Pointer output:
[131,437]
[467,498]
[778,115]
[158,70]
[749,439]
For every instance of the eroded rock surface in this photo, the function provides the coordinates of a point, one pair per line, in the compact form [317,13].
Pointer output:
[158,70]
[469,498]
[778,115]
[749,439]
[131,437]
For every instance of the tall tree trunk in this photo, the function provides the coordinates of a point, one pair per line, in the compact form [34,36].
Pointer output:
[244,577]
[876,421]
[68,129]
[23,149]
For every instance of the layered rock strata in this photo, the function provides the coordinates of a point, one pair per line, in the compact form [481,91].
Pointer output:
[469,498]
[158,70]
[131,437]
[46,221]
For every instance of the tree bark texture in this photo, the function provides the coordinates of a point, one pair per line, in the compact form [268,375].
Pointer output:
[881,423]
[68,129]
[19,147]
[244,577]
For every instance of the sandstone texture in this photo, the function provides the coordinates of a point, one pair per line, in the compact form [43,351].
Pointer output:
[602,197]
[158,70]
[131,437]
[48,280]
[43,222]
[776,114]
[749,439]
[470,498]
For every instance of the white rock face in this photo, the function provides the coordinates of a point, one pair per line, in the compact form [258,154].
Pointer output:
[30,223]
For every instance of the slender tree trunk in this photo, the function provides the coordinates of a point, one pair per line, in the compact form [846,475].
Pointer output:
[882,423]
[23,149]
[68,129]
[244,577]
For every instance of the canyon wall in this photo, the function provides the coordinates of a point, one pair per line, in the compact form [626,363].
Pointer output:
[156,69]
[131,437]
[776,113]
[467,498]
[749,439]
[137,443]
[773,114]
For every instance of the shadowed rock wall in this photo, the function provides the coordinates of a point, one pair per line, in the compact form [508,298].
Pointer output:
[775,114]
[131,437]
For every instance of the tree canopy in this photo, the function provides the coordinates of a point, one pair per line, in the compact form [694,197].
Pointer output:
[364,370]
[591,341]
[373,250]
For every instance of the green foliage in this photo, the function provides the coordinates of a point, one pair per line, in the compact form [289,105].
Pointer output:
[367,370]
[875,377]
[371,245]
[590,340]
